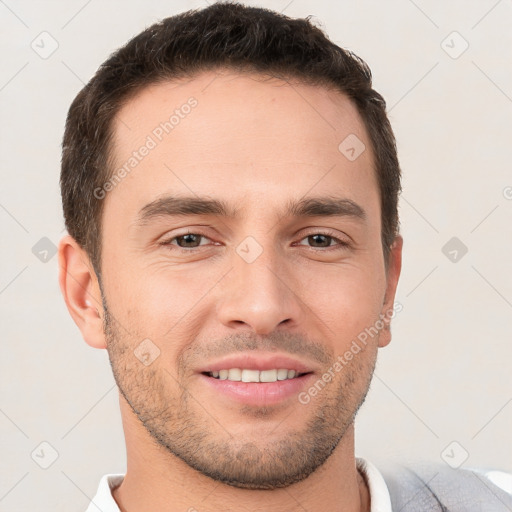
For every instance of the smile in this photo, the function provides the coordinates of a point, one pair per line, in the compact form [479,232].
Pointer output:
[246,375]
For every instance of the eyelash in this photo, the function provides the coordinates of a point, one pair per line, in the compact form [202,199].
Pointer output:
[342,244]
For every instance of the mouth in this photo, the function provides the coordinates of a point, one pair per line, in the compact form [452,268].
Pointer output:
[257,379]
[250,375]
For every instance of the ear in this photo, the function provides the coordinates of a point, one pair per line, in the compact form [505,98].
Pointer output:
[393,273]
[80,289]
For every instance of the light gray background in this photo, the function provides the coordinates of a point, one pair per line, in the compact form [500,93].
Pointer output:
[446,375]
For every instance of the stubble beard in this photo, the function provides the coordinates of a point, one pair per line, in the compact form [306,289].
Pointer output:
[177,421]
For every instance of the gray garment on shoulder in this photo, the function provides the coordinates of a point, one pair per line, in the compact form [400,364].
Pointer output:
[430,487]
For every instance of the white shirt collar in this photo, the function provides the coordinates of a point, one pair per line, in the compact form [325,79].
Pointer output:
[104,501]
[379,495]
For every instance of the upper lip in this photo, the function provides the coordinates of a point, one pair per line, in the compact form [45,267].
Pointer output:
[261,361]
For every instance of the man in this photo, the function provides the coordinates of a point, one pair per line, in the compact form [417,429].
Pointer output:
[230,186]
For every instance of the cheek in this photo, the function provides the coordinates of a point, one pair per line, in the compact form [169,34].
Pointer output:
[168,302]
[165,302]
[348,301]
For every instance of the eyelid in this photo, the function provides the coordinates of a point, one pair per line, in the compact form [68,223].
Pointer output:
[342,243]
[169,240]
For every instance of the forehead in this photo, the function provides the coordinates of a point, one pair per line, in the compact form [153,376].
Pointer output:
[236,136]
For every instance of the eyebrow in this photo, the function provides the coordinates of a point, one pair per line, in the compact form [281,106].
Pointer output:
[169,206]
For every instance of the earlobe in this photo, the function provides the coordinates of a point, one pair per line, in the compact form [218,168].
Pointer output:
[80,289]
[393,274]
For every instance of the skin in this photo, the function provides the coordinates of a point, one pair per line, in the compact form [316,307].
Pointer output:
[255,144]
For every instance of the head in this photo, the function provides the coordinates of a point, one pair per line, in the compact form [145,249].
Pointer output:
[230,186]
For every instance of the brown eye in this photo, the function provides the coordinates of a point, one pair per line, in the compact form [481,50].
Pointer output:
[186,241]
[324,241]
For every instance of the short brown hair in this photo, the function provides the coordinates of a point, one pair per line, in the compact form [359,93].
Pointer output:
[223,35]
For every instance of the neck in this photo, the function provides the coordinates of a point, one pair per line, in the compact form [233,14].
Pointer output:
[159,481]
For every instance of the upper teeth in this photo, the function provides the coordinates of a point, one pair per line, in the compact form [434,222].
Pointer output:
[237,374]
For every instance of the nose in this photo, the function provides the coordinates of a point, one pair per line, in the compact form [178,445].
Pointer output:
[259,295]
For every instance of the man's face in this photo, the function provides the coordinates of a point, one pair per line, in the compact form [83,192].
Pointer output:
[265,289]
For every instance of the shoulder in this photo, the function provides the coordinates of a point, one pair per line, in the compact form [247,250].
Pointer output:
[431,486]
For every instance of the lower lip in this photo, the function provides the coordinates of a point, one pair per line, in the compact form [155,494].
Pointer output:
[259,393]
